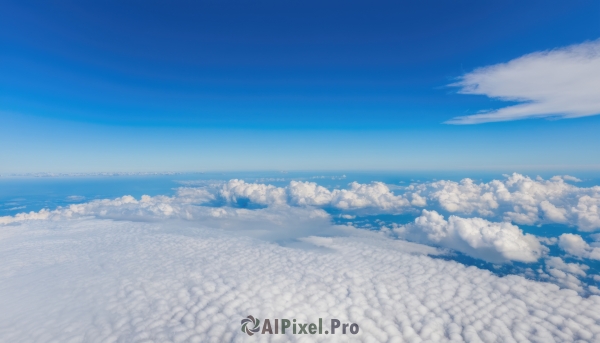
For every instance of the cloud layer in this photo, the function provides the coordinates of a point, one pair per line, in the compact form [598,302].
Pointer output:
[560,83]
[188,267]
[103,280]
[516,198]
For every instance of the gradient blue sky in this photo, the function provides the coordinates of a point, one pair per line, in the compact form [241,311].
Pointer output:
[277,85]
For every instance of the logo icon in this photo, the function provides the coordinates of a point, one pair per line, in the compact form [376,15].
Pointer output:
[250,321]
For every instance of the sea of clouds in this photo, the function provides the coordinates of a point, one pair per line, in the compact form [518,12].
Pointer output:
[189,267]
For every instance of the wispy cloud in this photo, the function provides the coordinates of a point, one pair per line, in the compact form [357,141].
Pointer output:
[560,83]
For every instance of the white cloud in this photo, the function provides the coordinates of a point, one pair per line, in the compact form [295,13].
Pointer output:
[588,211]
[572,268]
[104,280]
[576,246]
[309,194]
[553,213]
[375,196]
[567,274]
[236,190]
[477,237]
[466,196]
[562,83]
[519,199]
[571,178]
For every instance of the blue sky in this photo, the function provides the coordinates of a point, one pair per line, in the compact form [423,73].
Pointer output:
[240,85]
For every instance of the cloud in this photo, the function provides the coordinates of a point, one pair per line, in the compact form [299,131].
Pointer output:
[571,178]
[576,246]
[476,237]
[238,190]
[588,211]
[517,198]
[309,194]
[374,196]
[572,268]
[466,196]
[560,83]
[566,274]
[278,223]
[99,280]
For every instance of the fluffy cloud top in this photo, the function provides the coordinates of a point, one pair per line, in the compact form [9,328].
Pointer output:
[567,274]
[496,242]
[375,195]
[519,199]
[576,246]
[104,280]
[477,237]
[560,83]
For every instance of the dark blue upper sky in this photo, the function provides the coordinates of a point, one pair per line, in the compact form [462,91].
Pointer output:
[292,63]
[275,65]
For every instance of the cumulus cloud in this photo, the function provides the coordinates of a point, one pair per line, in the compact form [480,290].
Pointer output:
[476,237]
[238,190]
[375,195]
[566,274]
[519,199]
[561,83]
[572,268]
[309,193]
[105,280]
[587,211]
[576,246]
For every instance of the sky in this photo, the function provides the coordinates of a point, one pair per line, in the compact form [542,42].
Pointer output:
[299,85]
